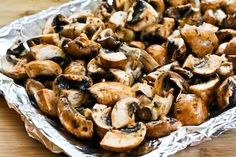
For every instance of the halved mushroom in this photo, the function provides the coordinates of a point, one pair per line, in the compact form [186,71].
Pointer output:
[226,93]
[123,113]
[148,62]
[81,47]
[94,68]
[159,107]
[190,109]
[101,117]
[108,93]
[141,15]
[143,88]
[124,139]
[72,30]
[52,39]
[76,67]
[206,90]
[74,87]
[55,24]
[122,76]
[112,59]
[137,44]
[225,70]
[107,39]
[47,101]
[163,127]
[207,66]
[46,52]
[72,120]
[32,86]
[13,68]
[42,68]
[200,40]
[158,53]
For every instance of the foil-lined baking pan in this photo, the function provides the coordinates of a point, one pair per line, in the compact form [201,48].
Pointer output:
[50,133]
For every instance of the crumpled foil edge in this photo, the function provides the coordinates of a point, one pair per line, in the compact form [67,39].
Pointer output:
[39,127]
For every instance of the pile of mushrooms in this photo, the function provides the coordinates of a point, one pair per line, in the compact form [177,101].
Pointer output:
[131,70]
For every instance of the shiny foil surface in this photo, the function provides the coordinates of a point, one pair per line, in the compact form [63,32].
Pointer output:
[50,133]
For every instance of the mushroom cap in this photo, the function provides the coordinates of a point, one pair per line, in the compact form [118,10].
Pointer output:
[108,93]
[128,139]
[163,127]
[190,109]
[42,68]
[200,40]
[101,117]
[226,93]
[47,101]
[73,121]
[123,113]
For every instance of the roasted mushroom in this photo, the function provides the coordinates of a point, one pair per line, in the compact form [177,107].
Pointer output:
[143,88]
[118,19]
[42,68]
[122,5]
[158,53]
[72,120]
[226,93]
[94,68]
[32,86]
[163,127]
[190,109]
[124,139]
[76,67]
[51,39]
[101,117]
[81,47]
[200,40]
[230,48]
[108,93]
[122,76]
[46,101]
[137,44]
[123,113]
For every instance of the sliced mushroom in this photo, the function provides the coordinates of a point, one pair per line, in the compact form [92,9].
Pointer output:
[112,59]
[143,88]
[73,121]
[208,65]
[108,40]
[108,93]
[159,107]
[226,95]
[101,117]
[190,109]
[141,15]
[200,40]
[76,67]
[122,76]
[73,87]
[32,86]
[52,39]
[123,113]
[46,52]
[13,68]
[81,47]
[47,101]
[206,90]
[124,139]
[163,127]
[148,62]
[159,53]
[42,68]
[94,68]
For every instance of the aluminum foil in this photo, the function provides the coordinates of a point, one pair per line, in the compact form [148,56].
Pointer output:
[50,133]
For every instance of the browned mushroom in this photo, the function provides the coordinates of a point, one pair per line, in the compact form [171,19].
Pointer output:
[76,67]
[163,127]
[32,86]
[230,48]
[124,139]
[190,109]
[108,93]
[122,5]
[137,44]
[158,53]
[122,76]
[226,93]
[143,88]
[229,6]
[47,101]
